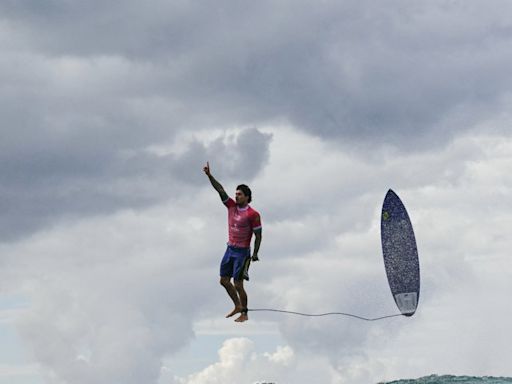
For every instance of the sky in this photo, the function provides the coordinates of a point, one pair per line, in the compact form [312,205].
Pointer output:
[111,235]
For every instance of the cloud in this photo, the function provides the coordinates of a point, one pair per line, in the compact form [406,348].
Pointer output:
[87,89]
[331,258]
[239,362]
[110,112]
[112,295]
[11,373]
[405,74]
[104,286]
[41,188]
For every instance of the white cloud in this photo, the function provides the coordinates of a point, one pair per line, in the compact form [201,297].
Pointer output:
[110,296]
[283,355]
[11,373]
[462,243]
[239,363]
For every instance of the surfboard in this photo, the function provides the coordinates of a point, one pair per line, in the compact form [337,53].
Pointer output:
[400,254]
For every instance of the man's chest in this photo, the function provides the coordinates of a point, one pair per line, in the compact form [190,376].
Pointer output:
[239,219]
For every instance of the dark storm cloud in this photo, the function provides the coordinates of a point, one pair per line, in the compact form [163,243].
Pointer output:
[39,188]
[87,87]
[398,70]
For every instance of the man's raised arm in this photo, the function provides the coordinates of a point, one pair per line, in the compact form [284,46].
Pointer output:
[218,187]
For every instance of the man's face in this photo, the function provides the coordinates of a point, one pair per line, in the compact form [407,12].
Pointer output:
[240,198]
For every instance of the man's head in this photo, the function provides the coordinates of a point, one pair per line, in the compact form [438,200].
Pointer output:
[243,195]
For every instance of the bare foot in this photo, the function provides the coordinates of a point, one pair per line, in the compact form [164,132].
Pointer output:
[234,311]
[243,317]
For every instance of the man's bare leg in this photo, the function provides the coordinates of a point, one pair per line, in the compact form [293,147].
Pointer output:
[232,292]
[239,285]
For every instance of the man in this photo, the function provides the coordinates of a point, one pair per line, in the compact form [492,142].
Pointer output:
[242,222]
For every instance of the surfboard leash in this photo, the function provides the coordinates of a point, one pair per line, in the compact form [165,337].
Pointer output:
[322,314]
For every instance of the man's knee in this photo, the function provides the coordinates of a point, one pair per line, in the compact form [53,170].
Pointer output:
[239,284]
[224,281]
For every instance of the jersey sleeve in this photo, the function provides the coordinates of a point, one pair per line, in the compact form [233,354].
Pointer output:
[229,202]
[255,221]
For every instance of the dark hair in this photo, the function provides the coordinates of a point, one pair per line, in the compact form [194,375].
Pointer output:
[246,190]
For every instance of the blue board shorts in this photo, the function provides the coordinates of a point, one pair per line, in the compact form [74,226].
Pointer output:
[235,263]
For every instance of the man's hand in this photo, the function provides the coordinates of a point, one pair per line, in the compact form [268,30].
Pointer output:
[206,169]
[254,257]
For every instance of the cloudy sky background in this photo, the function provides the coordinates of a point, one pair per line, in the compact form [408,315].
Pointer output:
[111,236]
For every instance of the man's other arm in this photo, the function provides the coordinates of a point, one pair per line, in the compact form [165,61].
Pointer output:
[257,243]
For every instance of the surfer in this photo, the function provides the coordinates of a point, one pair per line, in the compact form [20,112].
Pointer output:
[243,220]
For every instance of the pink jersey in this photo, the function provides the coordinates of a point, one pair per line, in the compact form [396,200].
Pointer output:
[241,222]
